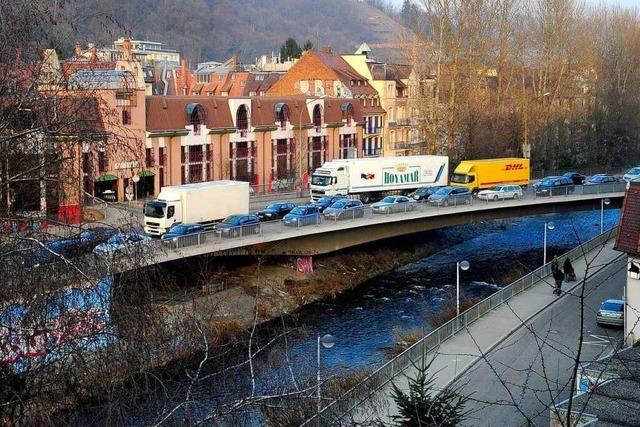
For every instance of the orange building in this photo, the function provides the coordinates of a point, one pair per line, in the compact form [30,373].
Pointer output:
[272,142]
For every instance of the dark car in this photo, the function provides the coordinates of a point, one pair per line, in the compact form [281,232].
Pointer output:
[182,230]
[326,201]
[576,178]
[555,187]
[71,247]
[536,184]
[601,178]
[423,193]
[238,225]
[276,210]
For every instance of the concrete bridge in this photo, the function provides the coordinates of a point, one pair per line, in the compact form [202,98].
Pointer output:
[325,236]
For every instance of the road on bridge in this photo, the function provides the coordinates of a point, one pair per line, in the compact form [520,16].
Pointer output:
[518,364]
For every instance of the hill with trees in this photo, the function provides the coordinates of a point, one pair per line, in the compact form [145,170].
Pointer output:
[217,29]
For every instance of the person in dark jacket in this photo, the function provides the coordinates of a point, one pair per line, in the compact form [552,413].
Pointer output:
[569,272]
[558,276]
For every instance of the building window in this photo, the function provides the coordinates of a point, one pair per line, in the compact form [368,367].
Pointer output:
[282,114]
[317,116]
[103,162]
[196,115]
[126,117]
[148,157]
[195,173]
[125,99]
[347,112]
[242,118]
[195,154]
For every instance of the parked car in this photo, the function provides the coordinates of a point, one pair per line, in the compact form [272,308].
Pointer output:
[576,178]
[276,210]
[555,187]
[611,312]
[393,204]
[633,173]
[345,209]
[302,215]
[537,184]
[601,178]
[501,192]
[238,225]
[451,196]
[326,201]
[119,242]
[423,193]
[182,230]
[69,248]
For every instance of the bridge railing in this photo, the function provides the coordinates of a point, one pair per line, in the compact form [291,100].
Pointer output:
[349,403]
[367,212]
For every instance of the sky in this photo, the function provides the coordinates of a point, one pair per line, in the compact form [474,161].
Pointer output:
[624,3]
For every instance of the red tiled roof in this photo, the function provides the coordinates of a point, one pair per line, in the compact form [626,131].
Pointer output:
[166,113]
[628,238]
[346,73]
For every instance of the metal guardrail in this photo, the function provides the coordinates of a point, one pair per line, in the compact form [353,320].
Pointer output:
[366,213]
[350,401]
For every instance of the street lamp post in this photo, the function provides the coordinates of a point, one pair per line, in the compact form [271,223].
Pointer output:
[327,341]
[605,201]
[550,226]
[462,265]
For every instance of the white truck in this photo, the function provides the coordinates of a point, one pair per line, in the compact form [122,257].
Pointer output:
[371,178]
[201,203]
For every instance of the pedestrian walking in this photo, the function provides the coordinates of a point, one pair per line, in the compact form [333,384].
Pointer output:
[555,264]
[558,276]
[569,272]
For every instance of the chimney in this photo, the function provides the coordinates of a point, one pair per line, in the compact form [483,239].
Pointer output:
[78,50]
[126,45]
[326,49]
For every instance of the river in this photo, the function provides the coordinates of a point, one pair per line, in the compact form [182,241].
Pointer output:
[365,321]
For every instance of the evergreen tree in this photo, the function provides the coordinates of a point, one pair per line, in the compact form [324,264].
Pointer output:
[290,49]
[307,45]
[423,407]
[405,11]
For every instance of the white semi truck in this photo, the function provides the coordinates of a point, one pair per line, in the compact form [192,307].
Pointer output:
[201,203]
[371,178]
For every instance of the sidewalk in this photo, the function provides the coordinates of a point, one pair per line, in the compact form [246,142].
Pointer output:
[459,353]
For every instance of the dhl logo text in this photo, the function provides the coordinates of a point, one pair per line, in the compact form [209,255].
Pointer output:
[514,167]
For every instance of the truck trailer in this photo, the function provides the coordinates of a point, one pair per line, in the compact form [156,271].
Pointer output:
[477,175]
[372,178]
[201,203]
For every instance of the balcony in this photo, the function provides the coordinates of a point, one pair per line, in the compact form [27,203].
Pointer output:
[372,130]
[372,152]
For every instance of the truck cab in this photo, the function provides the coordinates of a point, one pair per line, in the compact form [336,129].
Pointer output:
[464,176]
[332,179]
[162,214]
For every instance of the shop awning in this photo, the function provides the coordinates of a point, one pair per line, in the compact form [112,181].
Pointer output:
[107,177]
[145,173]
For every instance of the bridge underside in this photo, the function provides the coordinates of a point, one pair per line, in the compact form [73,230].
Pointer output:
[333,241]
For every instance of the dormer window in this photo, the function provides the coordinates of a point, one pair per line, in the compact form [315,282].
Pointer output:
[317,116]
[282,114]
[352,82]
[196,117]
[359,82]
[242,118]
[347,112]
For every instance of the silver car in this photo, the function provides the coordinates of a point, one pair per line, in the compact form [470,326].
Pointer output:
[611,312]
[501,192]
[393,204]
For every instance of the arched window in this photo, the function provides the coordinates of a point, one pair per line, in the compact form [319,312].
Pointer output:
[317,116]
[282,114]
[347,112]
[242,118]
[195,116]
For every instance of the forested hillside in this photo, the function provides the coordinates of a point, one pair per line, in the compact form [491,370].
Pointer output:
[216,29]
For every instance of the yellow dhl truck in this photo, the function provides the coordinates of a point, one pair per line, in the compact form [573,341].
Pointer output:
[477,175]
